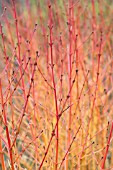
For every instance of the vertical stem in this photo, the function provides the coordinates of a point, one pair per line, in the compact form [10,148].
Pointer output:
[1,156]
[54,86]
[107,147]
[76,50]
[70,79]
[94,34]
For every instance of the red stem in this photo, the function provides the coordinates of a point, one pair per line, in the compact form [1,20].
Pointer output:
[107,147]
[54,86]
[70,78]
